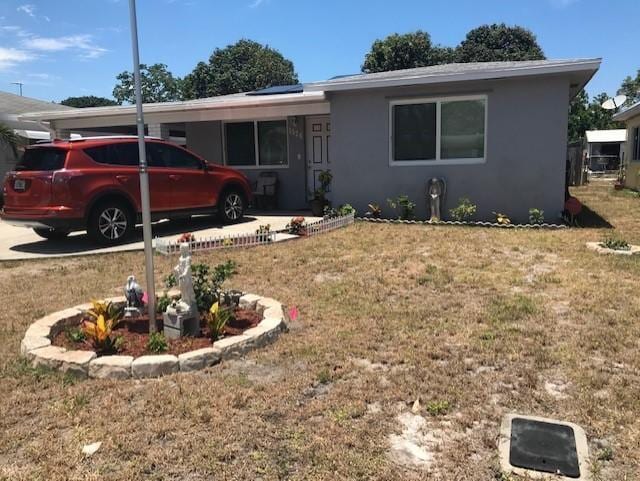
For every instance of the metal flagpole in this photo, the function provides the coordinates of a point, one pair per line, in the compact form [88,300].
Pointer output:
[144,176]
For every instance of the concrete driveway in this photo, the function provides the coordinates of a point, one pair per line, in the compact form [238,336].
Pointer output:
[18,243]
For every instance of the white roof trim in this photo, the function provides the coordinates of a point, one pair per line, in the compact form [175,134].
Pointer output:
[611,135]
[628,113]
[213,103]
[423,76]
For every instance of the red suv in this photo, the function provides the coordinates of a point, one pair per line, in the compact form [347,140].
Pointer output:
[94,184]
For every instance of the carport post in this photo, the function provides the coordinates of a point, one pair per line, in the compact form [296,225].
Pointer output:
[144,176]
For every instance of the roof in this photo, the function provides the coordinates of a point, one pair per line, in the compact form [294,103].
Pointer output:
[460,72]
[628,113]
[16,104]
[612,135]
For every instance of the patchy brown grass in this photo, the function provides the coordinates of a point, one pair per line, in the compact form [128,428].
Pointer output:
[474,322]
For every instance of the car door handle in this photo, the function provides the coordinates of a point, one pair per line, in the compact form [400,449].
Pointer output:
[122,178]
[174,177]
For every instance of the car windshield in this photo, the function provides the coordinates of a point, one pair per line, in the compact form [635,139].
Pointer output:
[43,158]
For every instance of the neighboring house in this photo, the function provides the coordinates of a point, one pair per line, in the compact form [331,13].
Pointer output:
[28,131]
[605,149]
[631,117]
[496,132]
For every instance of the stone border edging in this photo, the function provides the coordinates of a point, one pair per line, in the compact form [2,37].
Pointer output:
[463,223]
[36,345]
[600,249]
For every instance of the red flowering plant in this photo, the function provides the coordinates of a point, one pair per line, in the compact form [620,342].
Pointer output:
[296,226]
[187,237]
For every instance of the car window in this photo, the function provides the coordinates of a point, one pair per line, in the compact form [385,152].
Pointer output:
[115,154]
[42,159]
[164,155]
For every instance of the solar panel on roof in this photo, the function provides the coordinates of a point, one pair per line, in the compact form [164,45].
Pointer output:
[278,90]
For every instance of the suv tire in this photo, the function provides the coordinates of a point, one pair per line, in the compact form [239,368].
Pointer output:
[231,206]
[51,234]
[110,222]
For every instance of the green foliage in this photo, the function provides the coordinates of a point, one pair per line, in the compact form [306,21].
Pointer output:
[404,205]
[157,343]
[9,138]
[75,334]
[510,309]
[344,209]
[207,282]
[324,376]
[536,216]
[324,177]
[241,67]
[102,319]
[163,302]
[585,115]
[464,211]
[437,408]
[157,84]
[217,319]
[411,50]
[615,243]
[88,101]
[436,277]
[498,43]
[631,88]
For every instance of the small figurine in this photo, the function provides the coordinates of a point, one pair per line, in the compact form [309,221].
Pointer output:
[435,194]
[134,294]
[185,280]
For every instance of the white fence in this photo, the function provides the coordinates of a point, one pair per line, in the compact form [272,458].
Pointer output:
[326,225]
[166,246]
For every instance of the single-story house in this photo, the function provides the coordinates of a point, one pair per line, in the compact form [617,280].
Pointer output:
[631,117]
[605,149]
[496,132]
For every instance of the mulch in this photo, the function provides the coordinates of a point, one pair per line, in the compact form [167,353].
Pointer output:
[135,335]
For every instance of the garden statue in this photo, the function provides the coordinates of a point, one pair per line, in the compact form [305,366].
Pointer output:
[182,317]
[134,295]
[435,193]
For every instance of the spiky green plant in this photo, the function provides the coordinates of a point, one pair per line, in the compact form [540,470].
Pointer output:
[9,138]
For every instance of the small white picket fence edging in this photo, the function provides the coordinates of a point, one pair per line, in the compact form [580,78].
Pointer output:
[325,225]
[247,239]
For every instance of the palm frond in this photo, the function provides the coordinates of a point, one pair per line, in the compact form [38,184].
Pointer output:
[9,138]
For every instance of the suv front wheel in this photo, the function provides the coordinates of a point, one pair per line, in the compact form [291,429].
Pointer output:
[231,206]
[110,222]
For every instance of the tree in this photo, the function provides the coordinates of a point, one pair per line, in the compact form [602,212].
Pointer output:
[631,88]
[499,42]
[88,101]
[601,119]
[157,84]
[410,50]
[240,67]
[585,115]
[9,139]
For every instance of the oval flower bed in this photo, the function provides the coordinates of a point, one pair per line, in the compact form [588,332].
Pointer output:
[259,320]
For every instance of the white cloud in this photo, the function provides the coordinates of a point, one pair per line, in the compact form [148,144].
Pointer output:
[10,57]
[256,3]
[28,9]
[82,43]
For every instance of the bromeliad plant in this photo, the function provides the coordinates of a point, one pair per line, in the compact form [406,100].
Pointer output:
[502,219]
[104,317]
[217,318]
[536,216]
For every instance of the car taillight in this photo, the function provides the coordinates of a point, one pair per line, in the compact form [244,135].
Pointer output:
[60,186]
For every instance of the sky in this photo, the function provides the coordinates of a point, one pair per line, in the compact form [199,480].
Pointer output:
[62,48]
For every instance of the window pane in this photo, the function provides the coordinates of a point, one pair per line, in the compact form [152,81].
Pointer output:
[414,132]
[462,130]
[42,158]
[163,155]
[240,144]
[272,138]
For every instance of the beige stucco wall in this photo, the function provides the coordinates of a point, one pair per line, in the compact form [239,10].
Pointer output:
[632,170]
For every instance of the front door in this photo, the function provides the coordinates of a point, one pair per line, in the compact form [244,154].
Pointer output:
[318,153]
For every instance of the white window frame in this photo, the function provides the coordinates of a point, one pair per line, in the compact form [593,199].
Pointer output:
[257,165]
[438,160]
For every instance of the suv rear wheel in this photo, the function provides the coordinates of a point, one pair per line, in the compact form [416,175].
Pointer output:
[52,234]
[231,206]
[110,222]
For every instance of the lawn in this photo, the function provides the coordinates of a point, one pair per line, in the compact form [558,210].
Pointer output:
[473,322]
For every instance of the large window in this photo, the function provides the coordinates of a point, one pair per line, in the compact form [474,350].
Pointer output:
[258,143]
[431,131]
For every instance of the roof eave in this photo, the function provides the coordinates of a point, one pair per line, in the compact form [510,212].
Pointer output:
[627,114]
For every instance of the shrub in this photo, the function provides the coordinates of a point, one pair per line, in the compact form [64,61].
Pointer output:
[344,209]
[75,334]
[207,282]
[103,319]
[162,303]
[157,343]
[502,219]
[536,216]
[405,206]
[464,211]
[615,244]
[217,318]
[374,211]
[296,226]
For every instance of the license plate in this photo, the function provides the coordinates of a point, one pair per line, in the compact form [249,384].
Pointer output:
[19,184]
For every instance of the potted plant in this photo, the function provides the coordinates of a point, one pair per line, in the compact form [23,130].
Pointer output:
[319,200]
